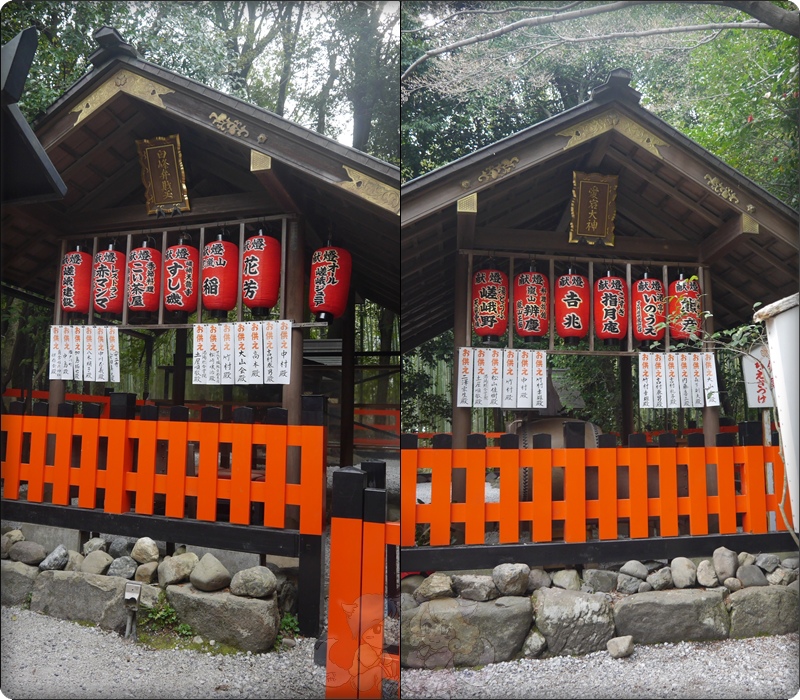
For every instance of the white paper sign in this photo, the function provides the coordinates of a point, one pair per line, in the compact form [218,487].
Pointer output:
[66,353]
[284,351]
[524,378]
[214,360]
[539,379]
[710,379]
[101,354]
[645,380]
[698,400]
[465,371]
[255,353]
[270,329]
[199,354]
[226,353]
[685,379]
[480,379]
[757,371]
[672,377]
[89,350]
[113,354]
[509,378]
[494,378]
[77,353]
[55,352]
[659,380]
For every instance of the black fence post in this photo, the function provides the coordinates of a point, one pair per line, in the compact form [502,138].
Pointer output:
[751,433]
[575,434]
[122,406]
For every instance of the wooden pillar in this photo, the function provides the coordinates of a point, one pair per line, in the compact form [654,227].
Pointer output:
[348,384]
[295,308]
[710,413]
[626,396]
[179,367]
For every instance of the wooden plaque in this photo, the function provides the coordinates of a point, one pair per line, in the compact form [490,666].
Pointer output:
[594,208]
[162,174]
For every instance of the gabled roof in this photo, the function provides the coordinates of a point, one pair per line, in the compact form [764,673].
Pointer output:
[675,202]
[240,161]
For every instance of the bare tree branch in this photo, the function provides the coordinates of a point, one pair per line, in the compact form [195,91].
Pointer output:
[752,24]
[516,8]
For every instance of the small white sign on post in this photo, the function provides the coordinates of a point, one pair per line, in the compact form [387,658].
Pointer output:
[284,352]
[697,379]
[524,379]
[199,356]
[685,379]
[509,378]
[89,350]
[113,354]
[77,353]
[240,353]
[494,378]
[672,380]
[659,380]
[214,359]
[255,353]
[270,329]
[465,371]
[66,355]
[480,379]
[710,379]
[226,353]
[645,380]
[539,377]
[757,372]
[101,362]
[55,352]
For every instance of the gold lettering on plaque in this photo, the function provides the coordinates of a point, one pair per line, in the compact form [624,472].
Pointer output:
[716,185]
[163,175]
[225,124]
[594,208]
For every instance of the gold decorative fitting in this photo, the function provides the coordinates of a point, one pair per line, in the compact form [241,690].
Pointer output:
[504,167]
[749,224]
[163,175]
[464,184]
[122,81]
[262,138]
[468,204]
[594,208]
[372,190]
[716,185]
[259,161]
[232,126]
[750,209]
[613,120]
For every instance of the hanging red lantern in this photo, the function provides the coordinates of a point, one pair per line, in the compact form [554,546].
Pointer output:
[684,308]
[531,299]
[490,304]
[144,279]
[330,282]
[108,282]
[76,281]
[648,308]
[572,306]
[610,308]
[220,274]
[261,272]
[181,272]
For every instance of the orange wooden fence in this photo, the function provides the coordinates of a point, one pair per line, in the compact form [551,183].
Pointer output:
[369,433]
[128,473]
[742,495]
[357,662]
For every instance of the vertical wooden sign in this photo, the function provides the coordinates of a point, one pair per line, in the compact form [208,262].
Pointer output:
[55,352]
[101,355]
[240,350]
[284,351]
[199,357]
[697,379]
[685,379]
[659,380]
[89,354]
[77,353]
[494,378]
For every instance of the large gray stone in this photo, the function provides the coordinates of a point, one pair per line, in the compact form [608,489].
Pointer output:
[177,569]
[661,579]
[568,579]
[706,574]
[511,579]
[477,586]
[538,578]
[96,562]
[672,616]
[119,547]
[57,559]
[145,550]
[620,647]
[768,562]
[95,544]
[16,581]
[437,585]
[255,582]
[634,568]
[124,567]
[27,552]
[573,622]
[77,596]
[600,580]
[627,584]
[684,572]
[726,562]
[249,624]
[763,610]
[209,574]
[751,575]
[447,632]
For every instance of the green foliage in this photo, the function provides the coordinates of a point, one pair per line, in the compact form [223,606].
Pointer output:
[162,615]
[289,629]
[184,630]
[426,386]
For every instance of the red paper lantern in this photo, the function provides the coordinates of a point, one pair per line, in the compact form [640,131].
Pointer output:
[76,281]
[531,299]
[181,274]
[684,309]
[330,282]
[220,274]
[648,308]
[261,272]
[489,304]
[144,278]
[108,281]
[572,305]
[610,307]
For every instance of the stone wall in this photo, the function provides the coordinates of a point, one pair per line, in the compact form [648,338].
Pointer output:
[513,611]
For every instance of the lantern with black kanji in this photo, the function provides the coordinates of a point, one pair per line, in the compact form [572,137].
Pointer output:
[531,299]
[610,308]
[572,301]
[684,308]
[220,276]
[648,309]
[76,281]
[181,276]
[489,304]
[108,283]
[144,281]
[261,273]
[329,284]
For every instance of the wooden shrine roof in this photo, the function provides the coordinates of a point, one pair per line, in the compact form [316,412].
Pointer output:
[241,161]
[675,202]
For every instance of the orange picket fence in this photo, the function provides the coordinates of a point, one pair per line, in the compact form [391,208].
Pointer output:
[741,501]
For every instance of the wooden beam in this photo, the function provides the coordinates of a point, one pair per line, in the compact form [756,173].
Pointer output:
[261,167]
[724,238]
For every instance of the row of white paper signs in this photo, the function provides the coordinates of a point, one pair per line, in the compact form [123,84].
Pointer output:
[502,378]
[249,352]
[84,353]
[677,380]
